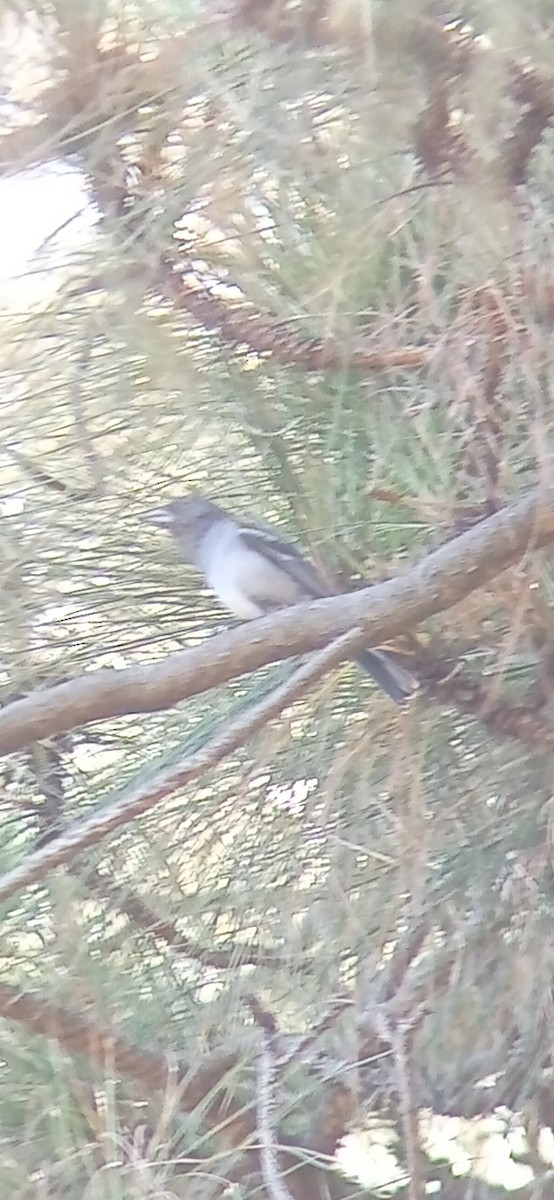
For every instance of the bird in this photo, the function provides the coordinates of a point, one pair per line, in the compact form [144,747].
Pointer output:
[253,571]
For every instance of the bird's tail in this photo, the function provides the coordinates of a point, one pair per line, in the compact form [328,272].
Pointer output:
[393,678]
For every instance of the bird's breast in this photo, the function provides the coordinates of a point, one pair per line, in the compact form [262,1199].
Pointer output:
[246,582]
[230,570]
[228,585]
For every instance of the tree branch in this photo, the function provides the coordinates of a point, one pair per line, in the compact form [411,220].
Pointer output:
[79,1033]
[144,916]
[141,798]
[440,580]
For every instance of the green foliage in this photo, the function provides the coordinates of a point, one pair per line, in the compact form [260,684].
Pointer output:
[288,175]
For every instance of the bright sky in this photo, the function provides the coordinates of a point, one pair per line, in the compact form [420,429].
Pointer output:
[33,205]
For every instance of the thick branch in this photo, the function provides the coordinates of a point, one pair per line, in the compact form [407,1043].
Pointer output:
[80,1034]
[442,579]
[263,333]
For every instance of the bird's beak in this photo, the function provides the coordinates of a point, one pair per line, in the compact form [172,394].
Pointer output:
[161,517]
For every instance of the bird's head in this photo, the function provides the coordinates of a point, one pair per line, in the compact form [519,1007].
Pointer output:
[187,519]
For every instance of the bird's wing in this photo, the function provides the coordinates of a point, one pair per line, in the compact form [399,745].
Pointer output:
[286,558]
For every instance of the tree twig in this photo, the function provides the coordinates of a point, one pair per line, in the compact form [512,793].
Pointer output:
[145,917]
[267,1083]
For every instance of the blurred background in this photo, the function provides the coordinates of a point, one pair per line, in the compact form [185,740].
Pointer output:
[297,255]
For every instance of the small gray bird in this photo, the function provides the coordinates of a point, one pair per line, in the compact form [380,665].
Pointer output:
[253,572]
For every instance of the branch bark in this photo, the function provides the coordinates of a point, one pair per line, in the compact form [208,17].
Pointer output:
[442,579]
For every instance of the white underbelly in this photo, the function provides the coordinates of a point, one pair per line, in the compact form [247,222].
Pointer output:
[232,575]
[231,593]
[247,583]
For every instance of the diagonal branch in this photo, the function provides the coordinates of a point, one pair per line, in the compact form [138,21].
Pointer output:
[439,581]
[141,798]
[145,917]
[264,334]
[80,1034]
